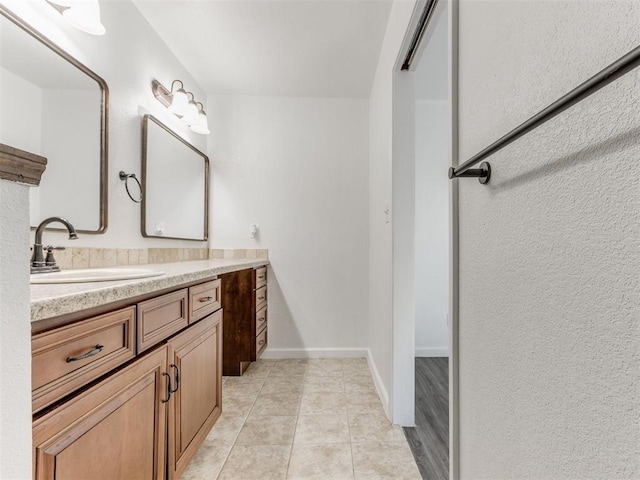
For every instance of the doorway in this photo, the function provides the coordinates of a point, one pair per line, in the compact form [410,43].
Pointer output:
[424,322]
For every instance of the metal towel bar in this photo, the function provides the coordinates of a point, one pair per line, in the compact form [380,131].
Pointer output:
[614,71]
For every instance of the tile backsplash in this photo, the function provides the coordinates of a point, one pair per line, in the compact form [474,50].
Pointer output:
[85,257]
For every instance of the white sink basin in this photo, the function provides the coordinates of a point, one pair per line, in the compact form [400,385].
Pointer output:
[94,275]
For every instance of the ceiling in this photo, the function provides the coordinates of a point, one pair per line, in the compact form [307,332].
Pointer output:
[302,48]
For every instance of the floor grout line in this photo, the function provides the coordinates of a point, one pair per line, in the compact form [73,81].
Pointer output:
[293,439]
[351,373]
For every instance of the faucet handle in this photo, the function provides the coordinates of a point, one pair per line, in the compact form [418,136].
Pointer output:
[50,261]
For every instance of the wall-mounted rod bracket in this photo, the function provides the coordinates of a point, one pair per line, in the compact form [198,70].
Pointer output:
[483,174]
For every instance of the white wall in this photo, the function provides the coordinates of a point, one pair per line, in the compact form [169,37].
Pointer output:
[15,340]
[549,257]
[432,227]
[380,243]
[128,57]
[298,168]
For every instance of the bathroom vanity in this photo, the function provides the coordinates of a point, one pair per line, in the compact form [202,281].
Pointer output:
[127,376]
[244,299]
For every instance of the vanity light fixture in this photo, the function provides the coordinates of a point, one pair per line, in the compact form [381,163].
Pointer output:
[191,114]
[202,126]
[82,14]
[180,101]
[189,110]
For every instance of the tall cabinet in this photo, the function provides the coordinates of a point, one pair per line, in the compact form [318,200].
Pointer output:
[244,301]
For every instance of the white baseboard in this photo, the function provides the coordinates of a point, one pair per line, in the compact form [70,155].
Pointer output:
[432,352]
[281,353]
[377,380]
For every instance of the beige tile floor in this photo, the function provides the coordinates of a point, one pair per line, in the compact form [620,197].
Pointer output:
[303,419]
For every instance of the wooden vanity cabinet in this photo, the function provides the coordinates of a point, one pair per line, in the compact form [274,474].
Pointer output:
[244,302]
[147,418]
[195,356]
[114,430]
[161,317]
[69,357]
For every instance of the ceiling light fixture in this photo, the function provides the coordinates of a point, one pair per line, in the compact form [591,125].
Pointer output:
[82,14]
[189,110]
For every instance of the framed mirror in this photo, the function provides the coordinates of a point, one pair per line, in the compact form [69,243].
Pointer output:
[175,185]
[54,106]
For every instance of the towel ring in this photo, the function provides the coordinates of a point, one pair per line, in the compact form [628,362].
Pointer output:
[125,177]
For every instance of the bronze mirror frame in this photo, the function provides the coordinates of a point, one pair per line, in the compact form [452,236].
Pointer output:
[104,114]
[145,137]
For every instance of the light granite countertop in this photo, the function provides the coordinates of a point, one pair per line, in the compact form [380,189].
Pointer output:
[52,300]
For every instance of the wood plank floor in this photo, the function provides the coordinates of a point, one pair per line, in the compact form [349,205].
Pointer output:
[429,440]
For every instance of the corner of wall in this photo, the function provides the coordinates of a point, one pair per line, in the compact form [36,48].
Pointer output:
[380,388]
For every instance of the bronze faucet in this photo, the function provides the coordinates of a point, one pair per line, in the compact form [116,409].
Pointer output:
[38,263]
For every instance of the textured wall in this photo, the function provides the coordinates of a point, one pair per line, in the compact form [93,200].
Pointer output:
[15,334]
[549,252]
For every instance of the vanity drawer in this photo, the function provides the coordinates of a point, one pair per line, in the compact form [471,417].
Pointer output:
[161,317]
[261,277]
[69,357]
[261,298]
[261,343]
[205,299]
[261,320]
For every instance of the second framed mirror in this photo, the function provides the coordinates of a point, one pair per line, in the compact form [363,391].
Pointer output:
[175,185]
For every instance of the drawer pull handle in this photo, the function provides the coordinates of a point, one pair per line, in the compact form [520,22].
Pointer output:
[205,299]
[261,298]
[261,277]
[261,342]
[90,353]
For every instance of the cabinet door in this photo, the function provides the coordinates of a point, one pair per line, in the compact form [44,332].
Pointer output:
[239,327]
[114,430]
[195,356]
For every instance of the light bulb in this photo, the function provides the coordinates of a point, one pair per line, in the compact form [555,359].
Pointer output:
[179,103]
[191,115]
[84,15]
[202,125]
